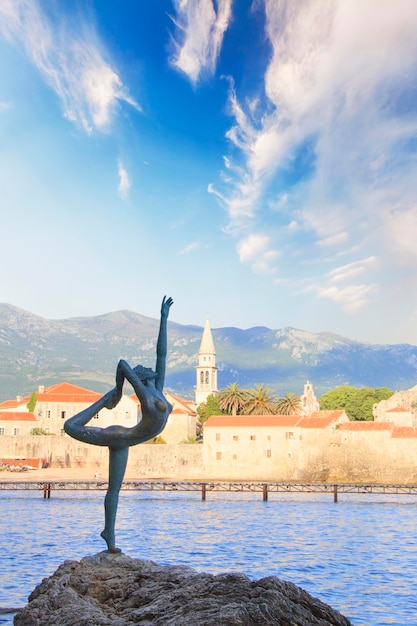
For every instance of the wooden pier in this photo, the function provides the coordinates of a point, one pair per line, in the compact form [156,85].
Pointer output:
[264,488]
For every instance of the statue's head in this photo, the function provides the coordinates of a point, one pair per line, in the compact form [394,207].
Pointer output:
[144,373]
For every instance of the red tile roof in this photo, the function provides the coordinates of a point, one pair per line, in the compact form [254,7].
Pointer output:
[335,414]
[398,409]
[366,426]
[17,416]
[9,404]
[405,432]
[320,419]
[69,393]
[180,405]
[66,392]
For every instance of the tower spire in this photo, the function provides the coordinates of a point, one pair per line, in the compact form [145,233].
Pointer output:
[206,369]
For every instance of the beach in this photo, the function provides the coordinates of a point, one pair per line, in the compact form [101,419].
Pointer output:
[52,474]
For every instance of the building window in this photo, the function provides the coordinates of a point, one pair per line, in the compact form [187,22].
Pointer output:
[96,416]
[268,454]
[253,437]
[289,435]
[235,437]
[128,415]
[2,431]
[16,431]
[218,456]
[63,413]
[234,457]
[217,436]
[48,414]
[207,378]
[202,378]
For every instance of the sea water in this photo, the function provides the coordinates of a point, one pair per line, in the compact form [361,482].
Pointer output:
[359,555]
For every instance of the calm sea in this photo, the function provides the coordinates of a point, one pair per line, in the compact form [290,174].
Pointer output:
[359,556]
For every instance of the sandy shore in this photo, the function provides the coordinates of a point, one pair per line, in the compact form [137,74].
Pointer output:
[56,473]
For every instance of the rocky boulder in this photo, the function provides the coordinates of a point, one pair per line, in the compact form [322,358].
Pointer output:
[113,589]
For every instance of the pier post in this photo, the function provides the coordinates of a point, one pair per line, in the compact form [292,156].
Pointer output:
[47,490]
[334,493]
[203,491]
[265,492]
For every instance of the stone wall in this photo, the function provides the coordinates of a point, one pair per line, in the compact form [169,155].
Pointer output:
[336,456]
[145,461]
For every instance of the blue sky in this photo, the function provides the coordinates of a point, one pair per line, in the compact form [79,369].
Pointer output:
[255,160]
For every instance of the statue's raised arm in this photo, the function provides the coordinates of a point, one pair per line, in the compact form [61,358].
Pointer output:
[161,346]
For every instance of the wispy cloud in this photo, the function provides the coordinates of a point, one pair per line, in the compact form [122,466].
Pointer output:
[339,285]
[345,272]
[200,28]
[194,245]
[124,181]
[339,96]
[5,106]
[351,298]
[70,57]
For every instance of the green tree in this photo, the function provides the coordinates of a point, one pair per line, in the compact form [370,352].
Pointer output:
[289,405]
[359,405]
[209,407]
[32,402]
[336,398]
[382,393]
[261,401]
[232,399]
[356,402]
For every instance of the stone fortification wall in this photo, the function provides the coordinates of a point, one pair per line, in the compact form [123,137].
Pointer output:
[145,460]
[333,456]
[404,398]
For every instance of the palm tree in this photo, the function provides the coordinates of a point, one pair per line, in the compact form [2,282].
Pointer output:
[289,405]
[232,399]
[261,401]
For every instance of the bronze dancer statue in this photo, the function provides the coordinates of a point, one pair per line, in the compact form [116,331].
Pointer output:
[148,385]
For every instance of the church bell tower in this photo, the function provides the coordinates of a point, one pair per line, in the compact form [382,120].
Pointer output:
[206,369]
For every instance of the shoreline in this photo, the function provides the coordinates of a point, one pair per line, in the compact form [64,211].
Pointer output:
[51,474]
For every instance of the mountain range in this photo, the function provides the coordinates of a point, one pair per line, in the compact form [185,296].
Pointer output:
[85,350]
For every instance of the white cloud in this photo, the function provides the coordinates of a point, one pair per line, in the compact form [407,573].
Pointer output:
[293,226]
[124,181]
[401,227]
[194,245]
[252,246]
[5,106]
[345,272]
[71,59]
[255,250]
[351,298]
[200,29]
[333,240]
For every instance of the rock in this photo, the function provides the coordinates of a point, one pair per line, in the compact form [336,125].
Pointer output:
[113,589]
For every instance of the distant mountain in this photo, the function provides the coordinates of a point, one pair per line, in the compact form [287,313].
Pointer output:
[85,351]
